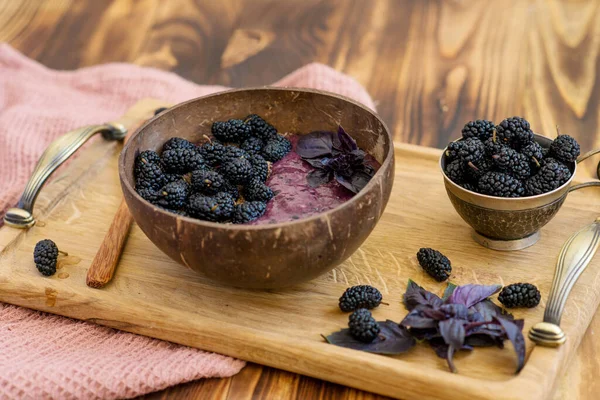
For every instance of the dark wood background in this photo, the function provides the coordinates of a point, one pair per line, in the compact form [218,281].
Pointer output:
[430,65]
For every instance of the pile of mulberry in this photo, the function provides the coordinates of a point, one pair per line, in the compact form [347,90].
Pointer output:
[361,296]
[363,326]
[222,179]
[506,161]
[437,265]
[519,295]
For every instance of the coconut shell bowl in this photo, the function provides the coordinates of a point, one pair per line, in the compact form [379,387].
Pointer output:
[265,255]
[511,223]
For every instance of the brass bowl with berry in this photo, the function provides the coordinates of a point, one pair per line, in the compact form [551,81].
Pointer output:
[507,182]
[259,188]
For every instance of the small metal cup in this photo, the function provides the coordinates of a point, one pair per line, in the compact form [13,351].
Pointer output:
[511,223]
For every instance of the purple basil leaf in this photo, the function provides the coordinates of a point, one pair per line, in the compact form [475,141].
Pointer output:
[393,339]
[470,295]
[453,332]
[455,311]
[482,340]
[315,144]
[441,348]
[315,162]
[416,295]
[415,319]
[424,334]
[515,335]
[354,183]
[448,292]
[318,177]
[344,142]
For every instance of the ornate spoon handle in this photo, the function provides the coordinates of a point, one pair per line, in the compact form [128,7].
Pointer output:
[57,153]
[574,257]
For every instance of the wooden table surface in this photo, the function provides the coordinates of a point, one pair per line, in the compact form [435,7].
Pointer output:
[430,66]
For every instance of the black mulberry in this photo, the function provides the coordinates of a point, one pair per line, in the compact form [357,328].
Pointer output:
[474,171]
[257,190]
[148,194]
[237,170]
[565,149]
[514,131]
[452,151]
[520,295]
[260,167]
[456,171]
[361,296]
[500,184]
[45,255]
[260,128]
[146,157]
[234,130]
[470,150]
[232,152]
[248,211]
[178,143]
[174,195]
[363,326]
[181,161]
[216,208]
[551,175]
[276,148]
[533,151]
[149,176]
[252,145]
[513,162]
[436,264]
[481,129]
[212,152]
[208,182]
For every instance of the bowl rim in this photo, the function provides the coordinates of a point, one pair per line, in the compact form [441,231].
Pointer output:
[388,159]
[508,199]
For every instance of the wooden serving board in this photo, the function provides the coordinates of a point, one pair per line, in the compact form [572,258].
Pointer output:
[154,296]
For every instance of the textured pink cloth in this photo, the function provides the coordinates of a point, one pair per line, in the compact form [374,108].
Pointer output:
[46,356]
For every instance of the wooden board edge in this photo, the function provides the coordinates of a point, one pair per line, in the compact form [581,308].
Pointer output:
[375,373]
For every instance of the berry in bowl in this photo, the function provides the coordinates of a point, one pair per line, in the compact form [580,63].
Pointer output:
[507,182]
[259,188]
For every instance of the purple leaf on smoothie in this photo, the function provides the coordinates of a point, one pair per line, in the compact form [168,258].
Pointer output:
[344,142]
[472,294]
[318,177]
[316,162]
[392,339]
[355,182]
[315,144]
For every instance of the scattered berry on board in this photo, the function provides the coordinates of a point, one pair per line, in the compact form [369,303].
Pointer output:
[436,264]
[520,295]
[363,326]
[45,255]
[222,179]
[361,296]
[504,160]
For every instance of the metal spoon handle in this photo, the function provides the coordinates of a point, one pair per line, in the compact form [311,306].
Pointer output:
[574,257]
[57,153]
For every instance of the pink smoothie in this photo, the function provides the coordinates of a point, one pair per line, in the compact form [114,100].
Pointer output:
[294,198]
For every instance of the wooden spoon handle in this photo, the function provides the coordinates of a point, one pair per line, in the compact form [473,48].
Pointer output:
[105,262]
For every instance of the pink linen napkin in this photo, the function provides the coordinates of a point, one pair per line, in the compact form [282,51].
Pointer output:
[46,356]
